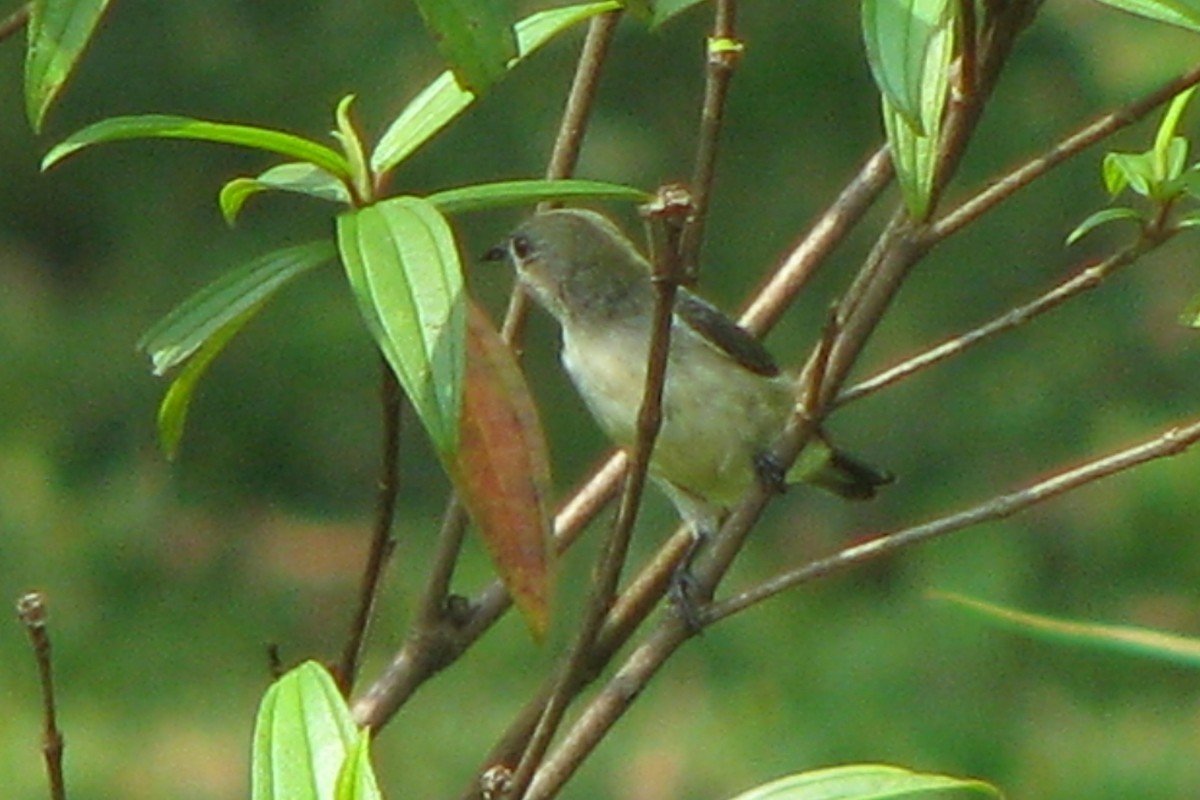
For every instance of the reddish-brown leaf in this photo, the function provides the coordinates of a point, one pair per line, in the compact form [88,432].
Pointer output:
[501,469]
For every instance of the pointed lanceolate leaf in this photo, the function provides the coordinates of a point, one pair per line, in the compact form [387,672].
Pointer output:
[483,196]
[1180,13]
[1128,639]
[161,126]
[403,267]
[357,781]
[181,332]
[173,410]
[302,737]
[444,99]
[1100,218]
[300,178]
[899,36]
[475,36]
[868,782]
[502,470]
[59,31]
[915,147]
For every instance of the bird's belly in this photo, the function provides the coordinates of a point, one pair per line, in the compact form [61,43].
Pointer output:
[716,416]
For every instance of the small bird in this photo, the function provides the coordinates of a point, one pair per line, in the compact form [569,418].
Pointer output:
[724,399]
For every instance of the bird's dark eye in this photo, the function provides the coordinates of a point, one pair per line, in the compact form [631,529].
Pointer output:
[522,248]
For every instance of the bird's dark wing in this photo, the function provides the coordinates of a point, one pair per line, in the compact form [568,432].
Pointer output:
[725,334]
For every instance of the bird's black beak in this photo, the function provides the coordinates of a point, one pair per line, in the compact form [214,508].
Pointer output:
[497,253]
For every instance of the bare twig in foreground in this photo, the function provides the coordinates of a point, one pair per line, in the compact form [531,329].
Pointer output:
[31,610]
[1171,442]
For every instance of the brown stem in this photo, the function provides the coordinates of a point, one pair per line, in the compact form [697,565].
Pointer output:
[437,639]
[15,21]
[667,216]
[382,541]
[722,54]
[1171,442]
[31,610]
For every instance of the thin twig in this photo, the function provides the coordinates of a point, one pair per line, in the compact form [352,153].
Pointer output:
[435,641]
[1173,441]
[15,21]
[722,53]
[667,215]
[1085,279]
[900,246]
[814,247]
[31,610]
[1035,168]
[382,541]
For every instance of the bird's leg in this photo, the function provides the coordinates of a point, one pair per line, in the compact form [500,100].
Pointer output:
[685,590]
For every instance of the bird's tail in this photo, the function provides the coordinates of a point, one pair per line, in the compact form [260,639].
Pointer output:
[824,466]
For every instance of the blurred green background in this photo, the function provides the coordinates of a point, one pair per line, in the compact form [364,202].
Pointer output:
[167,581]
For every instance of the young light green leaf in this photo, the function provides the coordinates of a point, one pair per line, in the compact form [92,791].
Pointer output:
[356,156]
[1191,181]
[404,271]
[356,780]
[915,148]
[173,410]
[502,470]
[444,99]
[901,37]
[1135,170]
[1126,639]
[867,782]
[303,736]
[297,177]
[160,126]
[58,33]
[1169,126]
[514,193]
[186,328]
[1180,13]
[475,36]
[1099,218]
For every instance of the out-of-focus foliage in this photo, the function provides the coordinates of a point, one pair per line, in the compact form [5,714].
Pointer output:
[165,582]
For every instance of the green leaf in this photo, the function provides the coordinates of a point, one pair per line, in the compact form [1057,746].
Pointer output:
[352,146]
[902,38]
[915,147]
[482,196]
[1180,13]
[173,410]
[1099,218]
[1191,181]
[58,33]
[404,271]
[475,36]
[866,782]
[666,10]
[444,99]
[1125,639]
[159,126]
[1170,124]
[181,332]
[1190,316]
[297,177]
[356,780]
[1135,170]
[1189,220]
[302,738]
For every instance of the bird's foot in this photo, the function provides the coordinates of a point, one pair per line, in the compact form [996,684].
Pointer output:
[770,472]
[685,593]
